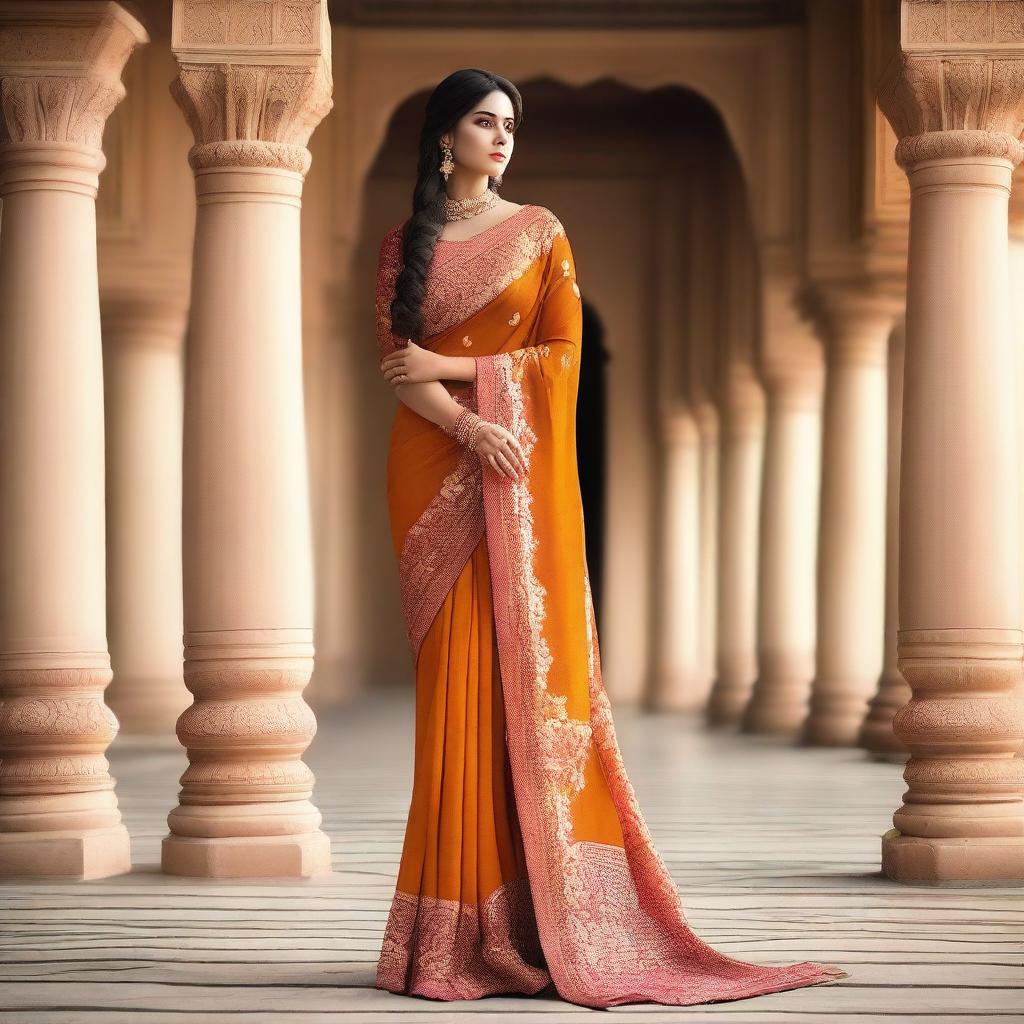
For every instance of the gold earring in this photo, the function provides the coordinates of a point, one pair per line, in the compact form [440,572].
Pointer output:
[447,166]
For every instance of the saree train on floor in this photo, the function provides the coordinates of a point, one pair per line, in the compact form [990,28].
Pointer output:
[526,858]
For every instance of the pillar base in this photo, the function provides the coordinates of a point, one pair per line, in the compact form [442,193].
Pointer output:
[878,739]
[75,856]
[825,730]
[992,861]
[780,714]
[727,703]
[300,856]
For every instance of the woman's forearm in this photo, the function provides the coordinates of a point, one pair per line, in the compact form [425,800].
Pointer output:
[430,398]
[458,368]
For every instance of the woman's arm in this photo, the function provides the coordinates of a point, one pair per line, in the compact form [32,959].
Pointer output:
[424,393]
[431,400]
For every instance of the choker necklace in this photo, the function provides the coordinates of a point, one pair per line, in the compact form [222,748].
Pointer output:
[461,209]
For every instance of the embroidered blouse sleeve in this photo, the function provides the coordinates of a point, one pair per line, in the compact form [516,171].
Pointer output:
[389,263]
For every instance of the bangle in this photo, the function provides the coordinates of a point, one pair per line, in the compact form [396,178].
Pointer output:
[464,430]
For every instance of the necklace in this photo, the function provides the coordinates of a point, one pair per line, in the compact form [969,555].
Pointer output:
[462,209]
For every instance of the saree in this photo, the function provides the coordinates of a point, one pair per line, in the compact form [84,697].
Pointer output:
[526,860]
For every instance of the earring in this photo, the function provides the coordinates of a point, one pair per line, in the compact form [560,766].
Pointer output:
[447,166]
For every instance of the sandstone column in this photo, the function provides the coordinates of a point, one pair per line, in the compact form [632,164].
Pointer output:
[742,446]
[707,419]
[677,673]
[1016,256]
[252,92]
[142,372]
[788,535]
[851,545]
[954,94]
[876,733]
[60,68]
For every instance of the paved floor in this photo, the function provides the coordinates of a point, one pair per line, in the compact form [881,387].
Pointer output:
[775,850]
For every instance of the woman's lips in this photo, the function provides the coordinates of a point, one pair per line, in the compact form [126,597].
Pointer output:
[497,156]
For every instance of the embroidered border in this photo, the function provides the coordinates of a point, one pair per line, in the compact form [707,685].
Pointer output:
[446,949]
[460,282]
[438,545]
[464,277]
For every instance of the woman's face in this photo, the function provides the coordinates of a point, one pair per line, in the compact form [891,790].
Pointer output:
[486,129]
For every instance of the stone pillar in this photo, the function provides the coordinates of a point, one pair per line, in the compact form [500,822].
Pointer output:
[60,68]
[252,94]
[876,735]
[742,447]
[142,373]
[707,419]
[955,98]
[851,536]
[677,675]
[1016,257]
[791,368]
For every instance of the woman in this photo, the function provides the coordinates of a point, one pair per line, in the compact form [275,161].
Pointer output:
[526,859]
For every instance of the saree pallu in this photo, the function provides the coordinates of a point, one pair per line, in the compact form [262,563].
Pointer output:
[526,858]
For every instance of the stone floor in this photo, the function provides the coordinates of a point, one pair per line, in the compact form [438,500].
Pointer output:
[775,850]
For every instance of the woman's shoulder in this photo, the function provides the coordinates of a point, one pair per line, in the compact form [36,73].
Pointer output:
[393,234]
[543,226]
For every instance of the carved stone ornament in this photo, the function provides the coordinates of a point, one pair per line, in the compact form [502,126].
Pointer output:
[254,79]
[956,85]
[60,68]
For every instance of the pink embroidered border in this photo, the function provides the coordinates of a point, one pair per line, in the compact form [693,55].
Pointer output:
[438,545]
[610,920]
[445,949]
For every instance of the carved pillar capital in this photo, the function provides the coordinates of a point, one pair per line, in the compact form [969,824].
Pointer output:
[955,88]
[855,318]
[254,79]
[150,319]
[60,69]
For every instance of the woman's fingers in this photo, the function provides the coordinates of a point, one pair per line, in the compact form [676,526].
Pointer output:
[513,461]
[510,470]
[492,459]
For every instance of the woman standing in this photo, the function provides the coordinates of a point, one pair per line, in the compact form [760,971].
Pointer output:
[526,858]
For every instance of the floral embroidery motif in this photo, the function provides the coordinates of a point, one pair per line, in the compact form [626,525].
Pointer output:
[445,949]
[566,360]
[576,289]
[466,341]
[566,268]
[515,318]
[519,356]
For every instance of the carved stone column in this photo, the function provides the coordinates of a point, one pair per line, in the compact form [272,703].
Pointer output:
[60,68]
[677,675]
[788,538]
[954,94]
[707,419]
[876,734]
[143,338]
[252,92]
[742,448]
[856,322]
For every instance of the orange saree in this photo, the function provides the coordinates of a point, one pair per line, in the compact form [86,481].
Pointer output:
[526,859]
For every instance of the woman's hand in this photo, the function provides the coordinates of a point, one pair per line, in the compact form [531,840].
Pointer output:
[411,364]
[501,450]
